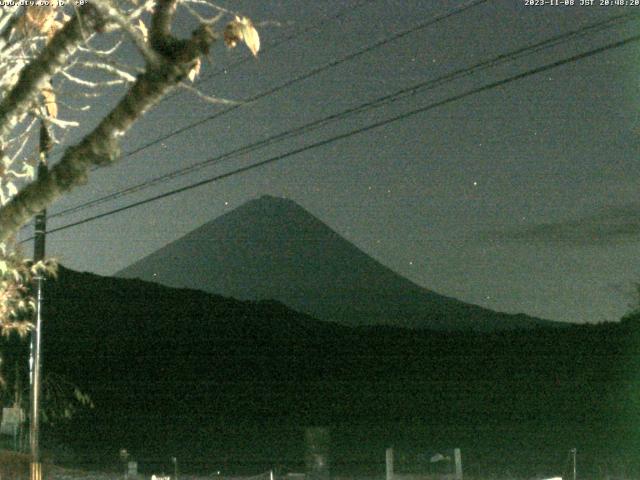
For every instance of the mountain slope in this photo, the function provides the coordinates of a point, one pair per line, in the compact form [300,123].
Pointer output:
[273,248]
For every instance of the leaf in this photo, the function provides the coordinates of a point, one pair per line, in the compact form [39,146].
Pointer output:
[143,29]
[37,19]
[11,189]
[241,29]
[29,171]
[50,100]
[55,26]
[193,73]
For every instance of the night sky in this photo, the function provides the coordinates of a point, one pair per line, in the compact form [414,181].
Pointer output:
[520,198]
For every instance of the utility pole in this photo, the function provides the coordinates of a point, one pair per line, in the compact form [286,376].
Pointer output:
[35,360]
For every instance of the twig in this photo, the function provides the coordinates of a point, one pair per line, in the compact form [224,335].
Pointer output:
[207,98]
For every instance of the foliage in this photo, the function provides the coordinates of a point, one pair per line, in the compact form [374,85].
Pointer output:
[62,399]
[16,302]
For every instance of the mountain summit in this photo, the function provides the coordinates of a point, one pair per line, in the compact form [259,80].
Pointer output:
[272,248]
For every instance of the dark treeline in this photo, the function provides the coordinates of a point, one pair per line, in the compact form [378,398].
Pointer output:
[227,384]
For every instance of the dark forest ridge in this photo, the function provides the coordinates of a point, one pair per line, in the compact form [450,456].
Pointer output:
[272,248]
[179,372]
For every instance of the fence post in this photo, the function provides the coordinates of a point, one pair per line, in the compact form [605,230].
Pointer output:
[389,461]
[458,459]
[318,442]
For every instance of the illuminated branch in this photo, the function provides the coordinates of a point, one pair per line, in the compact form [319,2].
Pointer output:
[35,76]
[101,146]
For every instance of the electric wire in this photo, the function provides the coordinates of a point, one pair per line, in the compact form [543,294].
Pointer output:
[285,39]
[386,99]
[357,131]
[309,74]
[450,13]
[264,48]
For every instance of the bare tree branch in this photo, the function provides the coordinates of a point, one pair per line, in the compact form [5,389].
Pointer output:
[111,12]
[38,47]
[101,146]
[37,73]
[207,98]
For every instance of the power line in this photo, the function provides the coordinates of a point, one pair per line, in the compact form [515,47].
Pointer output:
[300,78]
[429,84]
[284,39]
[311,73]
[411,113]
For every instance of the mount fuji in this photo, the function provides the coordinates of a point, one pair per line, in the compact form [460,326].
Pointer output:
[272,248]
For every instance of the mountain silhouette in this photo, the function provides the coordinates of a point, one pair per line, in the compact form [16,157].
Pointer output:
[272,248]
